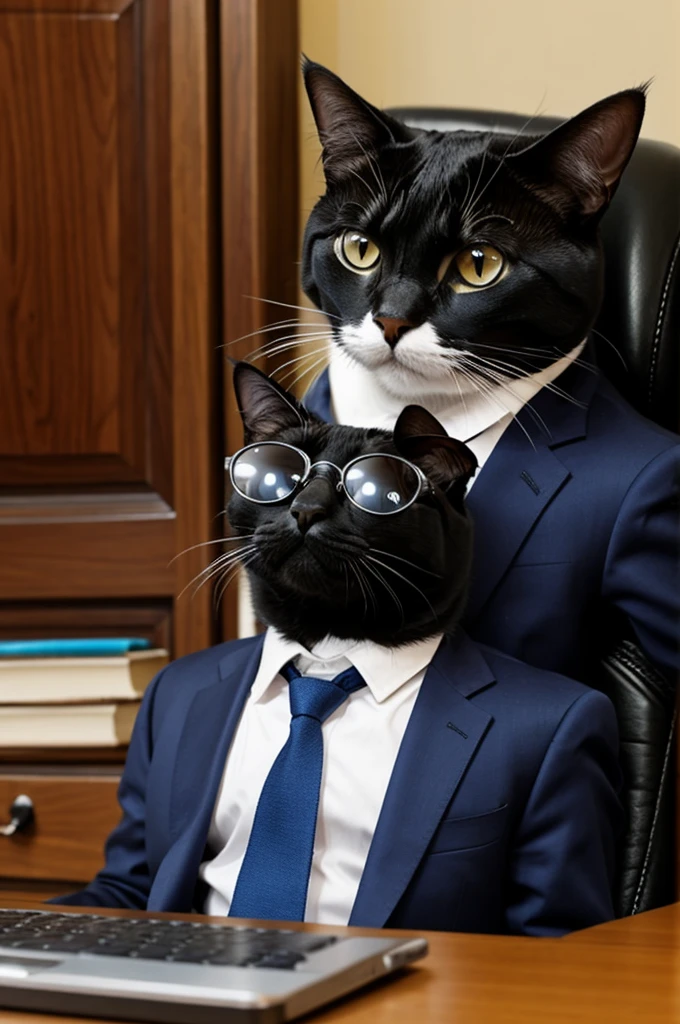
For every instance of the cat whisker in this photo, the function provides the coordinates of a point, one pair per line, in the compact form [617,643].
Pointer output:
[369,586]
[366,185]
[490,376]
[577,361]
[386,585]
[284,345]
[281,324]
[359,580]
[207,543]
[373,164]
[291,305]
[488,216]
[545,354]
[298,359]
[467,191]
[298,337]
[505,379]
[223,571]
[507,349]
[485,390]
[215,566]
[612,346]
[223,562]
[320,362]
[520,131]
[406,580]
[221,585]
[389,554]
[466,210]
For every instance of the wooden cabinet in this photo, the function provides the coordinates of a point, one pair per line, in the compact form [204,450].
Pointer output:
[73,817]
[94,483]
[138,208]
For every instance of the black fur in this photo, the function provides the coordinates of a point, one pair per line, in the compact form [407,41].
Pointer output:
[537,200]
[305,583]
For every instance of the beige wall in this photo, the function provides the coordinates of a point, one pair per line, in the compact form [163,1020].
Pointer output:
[522,55]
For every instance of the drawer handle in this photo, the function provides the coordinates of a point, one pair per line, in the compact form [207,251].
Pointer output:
[22,815]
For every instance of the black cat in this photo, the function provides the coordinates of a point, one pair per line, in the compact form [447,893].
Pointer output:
[459,789]
[320,564]
[463,271]
[474,255]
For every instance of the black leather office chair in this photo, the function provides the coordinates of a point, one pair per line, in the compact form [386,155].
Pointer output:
[637,340]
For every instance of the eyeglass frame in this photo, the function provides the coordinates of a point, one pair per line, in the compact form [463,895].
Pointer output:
[423,482]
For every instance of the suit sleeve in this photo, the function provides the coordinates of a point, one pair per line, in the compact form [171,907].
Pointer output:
[124,881]
[563,862]
[641,569]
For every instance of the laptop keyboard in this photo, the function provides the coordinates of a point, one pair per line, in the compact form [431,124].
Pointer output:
[153,939]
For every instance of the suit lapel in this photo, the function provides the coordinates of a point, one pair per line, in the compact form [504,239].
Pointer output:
[514,488]
[521,478]
[441,738]
[201,754]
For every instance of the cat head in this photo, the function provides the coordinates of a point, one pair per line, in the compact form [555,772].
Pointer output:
[445,256]
[320,565]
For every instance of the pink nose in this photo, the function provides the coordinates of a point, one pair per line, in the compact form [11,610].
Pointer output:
[393,328]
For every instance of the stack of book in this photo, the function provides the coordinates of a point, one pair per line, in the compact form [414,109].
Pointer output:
[73,693]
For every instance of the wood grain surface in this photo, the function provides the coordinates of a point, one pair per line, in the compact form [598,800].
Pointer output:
[73,817]
[70,226]
[607,975]
[81,560]
[193,25]
[259,57]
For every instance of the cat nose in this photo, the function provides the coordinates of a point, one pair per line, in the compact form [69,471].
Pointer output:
[306,517]
[393,327]
[312,504]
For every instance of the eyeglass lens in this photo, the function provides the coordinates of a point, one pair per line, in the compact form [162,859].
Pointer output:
[381,484]
[269,472]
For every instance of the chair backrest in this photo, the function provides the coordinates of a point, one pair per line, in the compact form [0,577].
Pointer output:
[637,339]
[637,334]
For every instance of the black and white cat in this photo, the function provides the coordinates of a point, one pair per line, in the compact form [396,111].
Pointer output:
[318,564]
[456,266]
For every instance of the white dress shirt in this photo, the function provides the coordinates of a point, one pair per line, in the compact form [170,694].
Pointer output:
[481,416]
[361,741]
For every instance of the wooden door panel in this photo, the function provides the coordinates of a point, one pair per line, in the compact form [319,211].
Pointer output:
[111,425]
[70,247]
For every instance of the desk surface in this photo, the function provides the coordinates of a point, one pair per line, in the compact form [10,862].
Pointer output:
[626,972]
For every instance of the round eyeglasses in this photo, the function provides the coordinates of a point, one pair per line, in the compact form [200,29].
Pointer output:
[272,472]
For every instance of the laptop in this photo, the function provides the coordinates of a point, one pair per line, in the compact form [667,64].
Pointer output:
[180,972]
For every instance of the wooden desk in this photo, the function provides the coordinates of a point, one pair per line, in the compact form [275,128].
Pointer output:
[627,972]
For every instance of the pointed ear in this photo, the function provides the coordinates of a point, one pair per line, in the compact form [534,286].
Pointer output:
[349,128]
[449,463]
[577,167]
[266,409]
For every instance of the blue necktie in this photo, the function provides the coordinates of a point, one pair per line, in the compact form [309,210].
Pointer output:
[274,875]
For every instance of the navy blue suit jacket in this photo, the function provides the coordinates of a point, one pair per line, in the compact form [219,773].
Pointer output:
[501,814]
[576,530]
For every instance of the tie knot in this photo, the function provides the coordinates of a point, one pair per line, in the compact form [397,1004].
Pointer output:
[319,698]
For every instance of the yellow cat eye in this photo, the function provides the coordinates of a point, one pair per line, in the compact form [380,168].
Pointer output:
[479,265]
[357,252]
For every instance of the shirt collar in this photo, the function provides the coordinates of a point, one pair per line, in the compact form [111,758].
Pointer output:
[384,669]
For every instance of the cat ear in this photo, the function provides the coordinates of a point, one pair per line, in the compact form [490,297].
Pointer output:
[445,461]
[266,408]
[579,165]
[349,128]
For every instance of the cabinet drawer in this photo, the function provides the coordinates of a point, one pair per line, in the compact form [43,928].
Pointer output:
[73,817]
